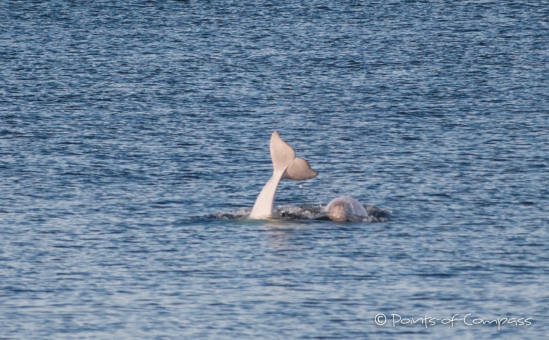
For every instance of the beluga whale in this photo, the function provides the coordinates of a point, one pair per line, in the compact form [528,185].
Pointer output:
[285,166]
[346,208]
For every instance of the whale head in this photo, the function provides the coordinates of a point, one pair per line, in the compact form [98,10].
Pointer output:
[345,208]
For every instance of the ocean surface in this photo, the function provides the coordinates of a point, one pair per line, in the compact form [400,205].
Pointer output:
[127,128]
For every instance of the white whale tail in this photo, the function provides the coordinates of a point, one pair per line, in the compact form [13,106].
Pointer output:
[285,166]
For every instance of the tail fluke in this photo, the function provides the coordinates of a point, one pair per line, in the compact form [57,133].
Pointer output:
[283,157]
[299,169]
[282,154]
[285,165]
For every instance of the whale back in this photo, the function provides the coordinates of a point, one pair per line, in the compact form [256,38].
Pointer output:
[345,208]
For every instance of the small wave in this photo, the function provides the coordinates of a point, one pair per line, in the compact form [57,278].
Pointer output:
[304,212]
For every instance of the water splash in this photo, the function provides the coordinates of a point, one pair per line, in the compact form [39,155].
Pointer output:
[304,212]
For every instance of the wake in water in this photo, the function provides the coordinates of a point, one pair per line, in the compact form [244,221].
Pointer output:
[305,212]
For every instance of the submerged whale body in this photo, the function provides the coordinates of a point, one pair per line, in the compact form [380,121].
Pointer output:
[346,208]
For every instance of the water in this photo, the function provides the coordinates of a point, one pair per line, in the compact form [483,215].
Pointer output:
[124,126]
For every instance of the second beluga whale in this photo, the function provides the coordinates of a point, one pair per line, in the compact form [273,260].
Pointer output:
[287,166]
[346,208]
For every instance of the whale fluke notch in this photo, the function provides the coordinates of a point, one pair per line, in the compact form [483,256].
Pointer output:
[285,166]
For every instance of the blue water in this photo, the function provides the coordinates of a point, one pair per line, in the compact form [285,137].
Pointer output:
[125,126]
